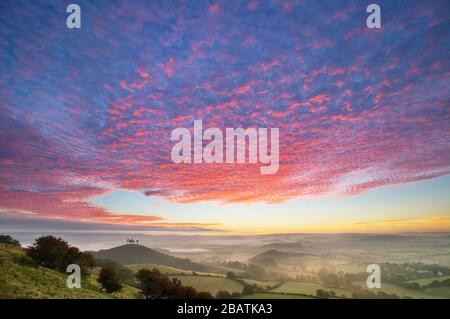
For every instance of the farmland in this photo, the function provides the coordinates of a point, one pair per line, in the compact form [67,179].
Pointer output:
[310,288]
[211,284]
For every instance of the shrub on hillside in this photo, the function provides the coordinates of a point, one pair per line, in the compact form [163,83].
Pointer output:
[323,294]
[125,274]
[204,295]
[6,239]
[154,284]
[223,295]
[254,271]
[55,253]
[248,289]
[231,275]
[437,284]
[108,280]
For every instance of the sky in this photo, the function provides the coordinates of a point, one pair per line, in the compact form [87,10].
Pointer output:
[86,115]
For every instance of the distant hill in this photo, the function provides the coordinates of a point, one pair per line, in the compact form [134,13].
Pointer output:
[277,254]
[138,254]
[283,245]
[271,257]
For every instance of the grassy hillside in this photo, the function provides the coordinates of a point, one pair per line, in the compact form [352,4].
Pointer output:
[163,269]
[283,246]
[171,270]
[278,255]
[259,283]
[441,292]
[429,280]
[20,279]
[403,292]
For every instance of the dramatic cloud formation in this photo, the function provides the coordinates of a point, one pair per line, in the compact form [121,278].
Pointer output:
[87,111]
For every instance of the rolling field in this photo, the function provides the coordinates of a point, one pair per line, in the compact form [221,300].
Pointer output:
[309,288]
[262,284]
[168,270]
[211,284]
[429,280]
[349,267]
[403,292]
[269,295]
[161,268]
[442,292]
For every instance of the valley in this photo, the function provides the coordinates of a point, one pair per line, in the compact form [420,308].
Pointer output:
[272,266]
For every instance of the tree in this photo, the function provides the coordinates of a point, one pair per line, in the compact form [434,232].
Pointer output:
[6,239]
[412,285]
[248,290]
[108,280]
[223,295]
[231,275]
[322,294]
[204,295]
[153,284]
[50,252]
[255,271]
[328,278]
[125,274]
[183,292]
[55,253]
[83,259]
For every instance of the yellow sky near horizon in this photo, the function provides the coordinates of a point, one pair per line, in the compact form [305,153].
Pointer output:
[431,224]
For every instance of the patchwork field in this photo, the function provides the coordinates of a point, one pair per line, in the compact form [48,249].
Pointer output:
[441,292]
[309,288]
[161,268]
[403,292]
[429,280]
[276,274]
[261,284]
[268,295]
[20,279]
[168,270]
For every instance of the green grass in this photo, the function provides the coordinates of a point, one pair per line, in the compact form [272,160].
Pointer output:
[161,268]
[168,270]
[20,279]
[442,292]
[211,284]
[309,288]
[429,280]
[269,295]
[349,267]
[262,284]
[401,292]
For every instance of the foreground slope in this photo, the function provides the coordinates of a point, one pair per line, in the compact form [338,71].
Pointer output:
[19,278]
